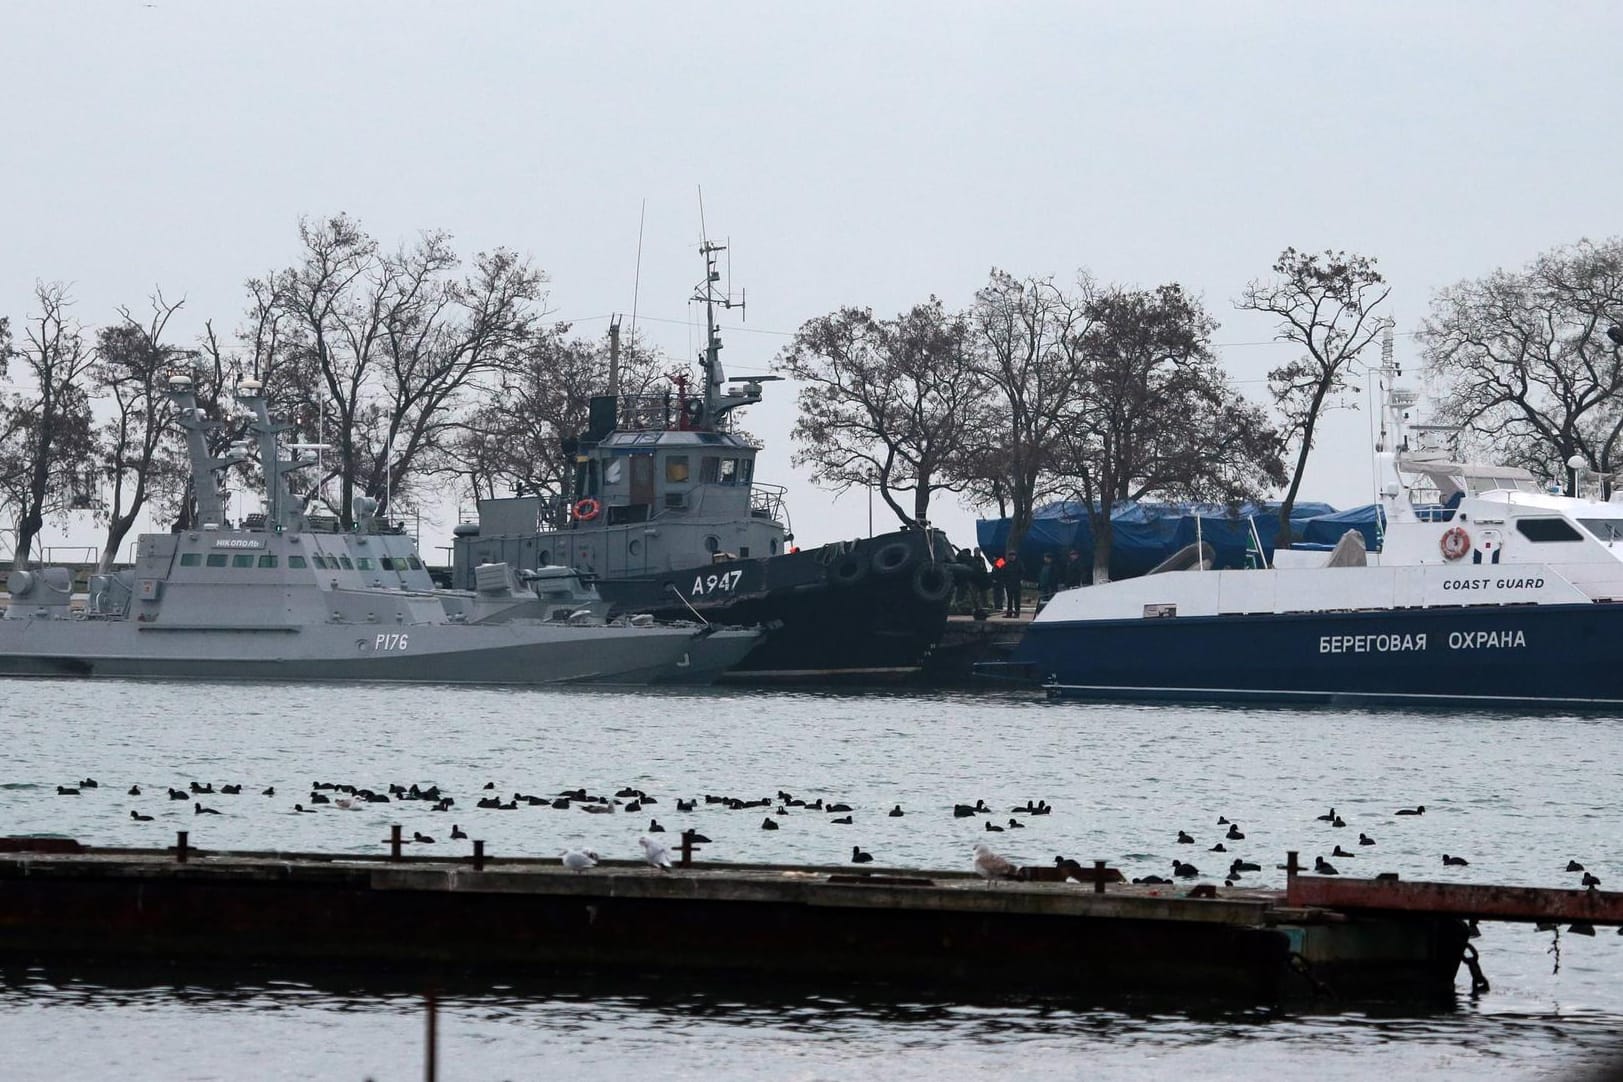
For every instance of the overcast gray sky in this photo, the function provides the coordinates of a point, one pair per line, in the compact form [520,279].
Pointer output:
[868,154]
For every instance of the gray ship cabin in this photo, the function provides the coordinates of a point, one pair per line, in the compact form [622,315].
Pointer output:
[284,568]
[661,483]
[653,492]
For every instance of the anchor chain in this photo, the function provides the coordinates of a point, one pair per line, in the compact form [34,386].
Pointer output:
[1472,960]
[1302,966]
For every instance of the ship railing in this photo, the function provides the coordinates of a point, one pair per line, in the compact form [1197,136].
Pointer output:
[766,501]
[552,512]
[645,412]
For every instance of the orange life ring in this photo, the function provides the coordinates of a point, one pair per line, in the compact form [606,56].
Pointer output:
[586,510]
[1455,543]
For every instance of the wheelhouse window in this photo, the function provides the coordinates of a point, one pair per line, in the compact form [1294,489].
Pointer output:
[1547,529]
[216,559]
[267,560]
[295,561]
[709,469]
[191,559]
[729,471]
[676,468]
[364,563]
[242,559]
[1607,529]
[344,562]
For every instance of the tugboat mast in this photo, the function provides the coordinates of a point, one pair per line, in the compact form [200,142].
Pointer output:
[717,402]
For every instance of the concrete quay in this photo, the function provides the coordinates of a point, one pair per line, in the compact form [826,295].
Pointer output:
[901,928]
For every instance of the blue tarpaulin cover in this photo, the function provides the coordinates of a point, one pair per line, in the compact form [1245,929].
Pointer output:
[1144,534]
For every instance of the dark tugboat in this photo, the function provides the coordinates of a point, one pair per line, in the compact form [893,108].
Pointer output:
[666,517]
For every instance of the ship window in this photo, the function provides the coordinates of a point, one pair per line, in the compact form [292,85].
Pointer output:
[743,552]
[190,559]
[676,468]
[386,562]
[746,470]
[267,561]
[414,563]
[332,563]
[242,559]
[709,469]
[712,544]
[1547,529]
[343,562]
[295,561]
[612,472]
[216,559]
[544,561]
[363,563]
[729,471]
[634,547]
[1607,529]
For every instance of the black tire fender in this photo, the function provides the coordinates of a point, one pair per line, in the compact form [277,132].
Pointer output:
[847,571]
[932,582]
[893,558]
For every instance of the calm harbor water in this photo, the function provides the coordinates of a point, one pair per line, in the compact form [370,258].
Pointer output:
[1517,795]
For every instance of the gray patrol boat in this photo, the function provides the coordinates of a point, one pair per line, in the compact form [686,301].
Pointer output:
[287,595]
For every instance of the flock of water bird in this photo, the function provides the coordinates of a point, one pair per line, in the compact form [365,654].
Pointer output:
[779,809]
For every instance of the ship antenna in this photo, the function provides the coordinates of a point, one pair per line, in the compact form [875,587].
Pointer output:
[636,281]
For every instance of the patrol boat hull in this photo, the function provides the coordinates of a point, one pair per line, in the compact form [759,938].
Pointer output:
[1553,656]
[453,654]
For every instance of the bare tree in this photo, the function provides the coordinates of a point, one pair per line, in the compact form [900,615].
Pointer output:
[515,438]
[48,424]
[1325,303]
[1523,361]
[131,371]
[883,401]
[387,345]
[1026,337]
[1156,416]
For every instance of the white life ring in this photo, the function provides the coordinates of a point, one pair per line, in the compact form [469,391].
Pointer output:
[1455,543]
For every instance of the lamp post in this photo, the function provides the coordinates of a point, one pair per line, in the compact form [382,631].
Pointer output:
[872,478]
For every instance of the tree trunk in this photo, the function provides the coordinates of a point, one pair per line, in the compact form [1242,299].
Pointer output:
[1102,538]
[118,528]
[1283,539]
[28,527]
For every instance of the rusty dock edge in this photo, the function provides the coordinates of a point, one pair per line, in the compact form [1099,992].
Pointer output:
[776,923]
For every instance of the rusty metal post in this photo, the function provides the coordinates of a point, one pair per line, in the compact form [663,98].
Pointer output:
[1098,877]
[478,854]
[431,1054]
[180,846]
[394,842]
[1292,864]
[686,849]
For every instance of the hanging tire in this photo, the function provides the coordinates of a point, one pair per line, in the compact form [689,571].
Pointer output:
[932,583]
[892,558]
[848,571]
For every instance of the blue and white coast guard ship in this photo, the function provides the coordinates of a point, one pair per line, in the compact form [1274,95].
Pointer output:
[1496,593]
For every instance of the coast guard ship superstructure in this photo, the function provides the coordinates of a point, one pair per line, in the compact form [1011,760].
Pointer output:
[289,595]
[1487,590]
